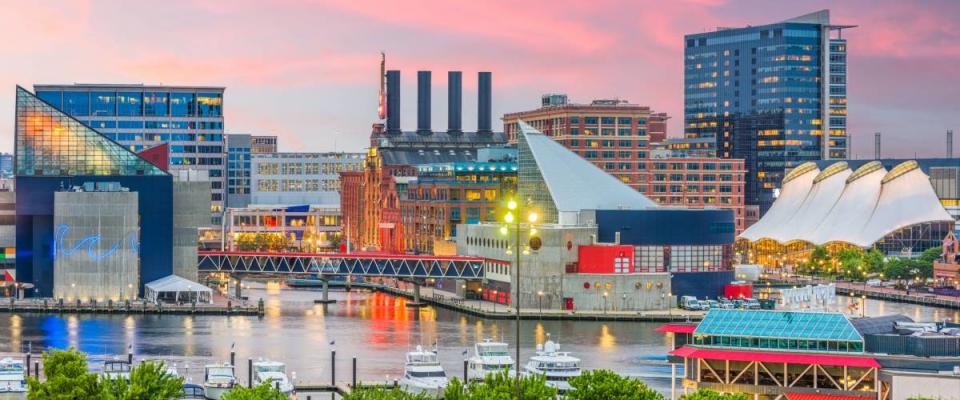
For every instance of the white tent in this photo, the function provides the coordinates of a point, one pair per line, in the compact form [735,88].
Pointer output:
[174,289]
[796,186]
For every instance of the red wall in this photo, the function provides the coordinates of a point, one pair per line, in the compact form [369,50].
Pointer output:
[600,259]
[736,291]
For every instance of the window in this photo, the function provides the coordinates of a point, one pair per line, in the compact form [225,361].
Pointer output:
[76,103]
[55,98]
[490,194]
[607,120]
[590,120]
[209,105]
[129,104]
[155,104]
[623,120]
[104,104]
[473,194]
[182,104]
[574,120]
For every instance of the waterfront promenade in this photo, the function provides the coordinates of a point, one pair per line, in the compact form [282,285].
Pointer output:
[857,289]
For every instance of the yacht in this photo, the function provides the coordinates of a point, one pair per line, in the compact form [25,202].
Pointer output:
[116,369]
[422,373]
[13,382]
[489,357]
[558,367]
[273,372]
[217,380]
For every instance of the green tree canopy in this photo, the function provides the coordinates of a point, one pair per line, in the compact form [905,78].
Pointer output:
[67,378]
[384,394]
[500,386]
[706,394]
[604,384]
[148,381]
[259,392]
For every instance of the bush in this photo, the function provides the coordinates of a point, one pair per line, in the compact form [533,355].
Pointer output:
[148,381]
[384,394]
[68,378]
[500,386]
[706,394]
[260,392]
[604,384]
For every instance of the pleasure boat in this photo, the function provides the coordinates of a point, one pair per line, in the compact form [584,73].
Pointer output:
[13,382]
[489,357]
[217,380]
[558,367]
[273,372]
[422,373]
[116,369]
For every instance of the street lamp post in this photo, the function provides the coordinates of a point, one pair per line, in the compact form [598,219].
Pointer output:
[540,302]
[605,302]
[863,306]
[510,219]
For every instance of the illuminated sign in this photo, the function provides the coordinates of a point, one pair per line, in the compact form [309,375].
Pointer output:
[88,243]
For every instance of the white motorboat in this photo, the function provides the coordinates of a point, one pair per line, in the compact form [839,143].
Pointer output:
[489,357]
[116,369]
[273,372]
[13,382]
[558,367]
[217,380]
[422,373]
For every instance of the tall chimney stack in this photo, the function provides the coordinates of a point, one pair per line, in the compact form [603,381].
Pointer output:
[454,102]
[423,103]
[393,102]
[950,144]
[876,146]
[484,103]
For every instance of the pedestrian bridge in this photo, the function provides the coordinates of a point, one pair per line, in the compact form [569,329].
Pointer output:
[360,264]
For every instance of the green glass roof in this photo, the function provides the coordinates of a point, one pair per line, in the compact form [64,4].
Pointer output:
[52,143]
[778,324]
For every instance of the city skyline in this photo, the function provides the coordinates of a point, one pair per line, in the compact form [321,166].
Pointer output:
[305,72]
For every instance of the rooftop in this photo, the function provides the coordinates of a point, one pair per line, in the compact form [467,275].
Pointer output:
[778,324]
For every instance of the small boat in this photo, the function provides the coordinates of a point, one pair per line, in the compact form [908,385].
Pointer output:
[217,380]
[558,367]
[116,369]
[489,357]
[13,382]
[423,374]
[275,373]
[192,391]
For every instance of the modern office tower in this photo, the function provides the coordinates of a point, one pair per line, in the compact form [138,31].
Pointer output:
[773,95]
[238,170]
[138,117]
[263,144]
[6,165]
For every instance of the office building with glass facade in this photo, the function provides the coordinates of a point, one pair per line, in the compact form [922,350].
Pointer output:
[140,116]
[773,95]
[300,178]
[238,170]
[55,154]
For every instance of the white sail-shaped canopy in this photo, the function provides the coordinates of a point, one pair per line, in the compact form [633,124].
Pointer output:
[796,186]
[858,208]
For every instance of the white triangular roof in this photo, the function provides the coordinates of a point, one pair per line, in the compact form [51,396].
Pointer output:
[854,207]
[826,191]
[575,183]
[174,283]
[796,186]
[906,198]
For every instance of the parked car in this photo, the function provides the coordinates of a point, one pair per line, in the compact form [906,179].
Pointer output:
[690,303]
[751,304]
[713,304]
[874,282]
[726,304]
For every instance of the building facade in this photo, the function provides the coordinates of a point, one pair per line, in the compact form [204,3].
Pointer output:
[612,134]
[698,183]
[55,154]
[301,228]
[139,117]
[263,144]
[300,178]
[6,165]
[8,229]
[773,95]
[443,196]
[238,170]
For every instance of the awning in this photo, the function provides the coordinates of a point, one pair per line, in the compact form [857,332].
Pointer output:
[819,396]
[677,328]
[777,357]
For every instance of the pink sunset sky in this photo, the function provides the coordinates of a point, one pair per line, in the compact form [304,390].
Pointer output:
[307,71]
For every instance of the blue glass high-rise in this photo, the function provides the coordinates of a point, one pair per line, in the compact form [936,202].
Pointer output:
[774,95]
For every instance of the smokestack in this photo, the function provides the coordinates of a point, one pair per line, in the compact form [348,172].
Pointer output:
[454,102]
[950,144]
[393,102]
[876,146]
[423,103]
[484,103]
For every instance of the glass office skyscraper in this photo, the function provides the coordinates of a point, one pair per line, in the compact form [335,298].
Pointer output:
[139,117]
[773,95]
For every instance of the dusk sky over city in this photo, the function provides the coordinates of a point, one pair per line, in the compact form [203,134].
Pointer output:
[307,71]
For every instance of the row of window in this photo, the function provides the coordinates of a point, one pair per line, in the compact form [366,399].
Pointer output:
[149,104]
[165,137]
[298,185]
[309,168]
[201,125]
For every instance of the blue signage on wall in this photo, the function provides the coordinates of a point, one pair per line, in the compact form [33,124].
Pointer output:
[88,243]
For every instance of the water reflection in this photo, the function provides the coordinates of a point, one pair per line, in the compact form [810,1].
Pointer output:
[376,328]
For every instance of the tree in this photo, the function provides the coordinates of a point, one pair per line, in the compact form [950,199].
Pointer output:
[604,384]
[67,378]
[851,260]
[873,261]
[500,386]
[260,392]
[246,242]
[148,381]
[384,394]
[706,394]
[819,260]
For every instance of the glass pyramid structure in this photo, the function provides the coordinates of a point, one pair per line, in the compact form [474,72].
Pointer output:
[51,143]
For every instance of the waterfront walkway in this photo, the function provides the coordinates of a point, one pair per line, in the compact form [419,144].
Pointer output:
[878,293]
[220,306]
[491,310]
